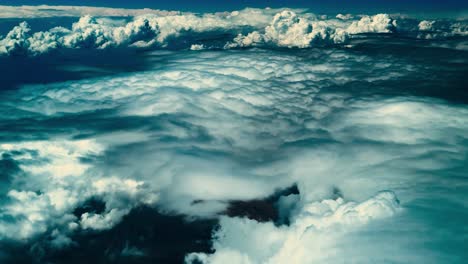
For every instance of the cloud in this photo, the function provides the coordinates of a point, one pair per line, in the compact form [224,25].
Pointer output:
[249,241]
[442,29]
[196,131]
[16,40]
[56,183]
[381,23]
[25,11]
[142,31]
[289,30]
[238,153]
[237,29]
[425,25]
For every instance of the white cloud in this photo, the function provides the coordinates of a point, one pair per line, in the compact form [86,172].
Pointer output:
[287,29]
[237,125]
[434,29]
[57,183]
[254,28]
[302,241]
[144,30]
[381,23]
[197,47]
[425,25]
[344,17]
[102,221]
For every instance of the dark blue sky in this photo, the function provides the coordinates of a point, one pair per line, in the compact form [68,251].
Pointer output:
[222,5]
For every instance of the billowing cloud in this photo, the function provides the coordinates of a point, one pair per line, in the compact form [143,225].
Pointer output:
[242,129]
[253,27]
[249,241]
[56,183]
[381,23]
[289,30]
[145,30]
[433,29]
[376,156]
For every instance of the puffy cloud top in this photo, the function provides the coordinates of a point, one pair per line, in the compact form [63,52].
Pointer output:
[381,23]
[248,241]
[253,27]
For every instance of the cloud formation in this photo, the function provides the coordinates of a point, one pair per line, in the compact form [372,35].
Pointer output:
[25,11]
[220,127]
[247,241]
[57,182]
[202,128]
[287,29]
[253,27]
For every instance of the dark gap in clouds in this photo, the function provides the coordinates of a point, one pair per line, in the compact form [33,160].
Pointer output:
[92,205]
[143,236]
[8,169]
[68,64]
[261,210]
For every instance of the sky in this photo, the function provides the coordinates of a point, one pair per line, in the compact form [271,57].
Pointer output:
[407,6]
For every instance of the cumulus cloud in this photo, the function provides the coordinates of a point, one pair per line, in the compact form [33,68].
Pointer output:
[381,23]
[289,30]
[253,27]
[440,29]
[16,41]
[248,241]
[197,47]
[58,182]
[144,30]
[425,25]
[344,17]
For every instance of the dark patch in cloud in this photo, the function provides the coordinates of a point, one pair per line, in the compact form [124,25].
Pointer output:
[261,210]
[8,169]
[143,236]
[92,205]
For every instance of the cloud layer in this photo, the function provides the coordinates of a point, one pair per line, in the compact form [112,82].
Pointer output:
[232,109]
[247,241]
[25,11]
[206,128]
[238,29]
